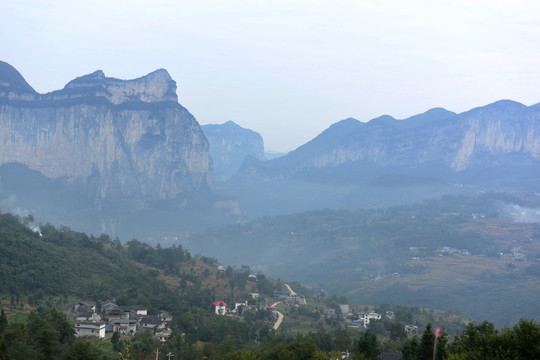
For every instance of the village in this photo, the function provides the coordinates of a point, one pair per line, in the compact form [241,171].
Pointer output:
[133,319]
[126,320]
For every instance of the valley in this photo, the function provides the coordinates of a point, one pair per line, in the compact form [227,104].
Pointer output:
[368,233]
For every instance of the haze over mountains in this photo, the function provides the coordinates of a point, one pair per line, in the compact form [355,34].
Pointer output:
[118,151]
[229,146]
[106,146]
[125,158]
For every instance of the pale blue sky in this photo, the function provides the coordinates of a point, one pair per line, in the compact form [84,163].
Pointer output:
[288,69]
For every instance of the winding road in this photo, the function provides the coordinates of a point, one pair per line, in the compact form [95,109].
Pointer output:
[279,320]
[280,315]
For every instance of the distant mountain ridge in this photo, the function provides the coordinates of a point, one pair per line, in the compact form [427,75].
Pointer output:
[229,146]
[455,141]
[354,164]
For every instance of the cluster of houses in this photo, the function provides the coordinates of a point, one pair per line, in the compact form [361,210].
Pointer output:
[127,320]
[450,250]
[289,298]
[362,319]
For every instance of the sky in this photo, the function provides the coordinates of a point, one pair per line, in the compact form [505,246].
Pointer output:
[287,69]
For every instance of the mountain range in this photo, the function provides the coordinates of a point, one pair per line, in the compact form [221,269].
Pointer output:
[124,157]
[353,163]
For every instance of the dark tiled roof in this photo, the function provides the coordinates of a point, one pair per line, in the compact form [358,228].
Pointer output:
[150,320]
[93,323]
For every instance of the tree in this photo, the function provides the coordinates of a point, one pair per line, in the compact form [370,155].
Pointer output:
[527,339]
[143,344]
[427,343]
[474,340]
[81,350]
[115,340]
[367,347]
[397,333]
[3,322]
[342,340]
[426,347]
[410,349]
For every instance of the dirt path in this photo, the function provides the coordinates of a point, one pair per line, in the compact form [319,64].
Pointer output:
[279,320]
[291,290]
[280,315]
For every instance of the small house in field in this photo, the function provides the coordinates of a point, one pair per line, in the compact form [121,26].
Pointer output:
[90,328]
[220,307]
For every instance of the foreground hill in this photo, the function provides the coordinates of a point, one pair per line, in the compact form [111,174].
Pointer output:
[40,262]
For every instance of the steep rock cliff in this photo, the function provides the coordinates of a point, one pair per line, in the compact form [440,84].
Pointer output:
[111,139]
[229,146]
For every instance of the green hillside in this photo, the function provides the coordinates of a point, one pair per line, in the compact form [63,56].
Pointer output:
[478,255]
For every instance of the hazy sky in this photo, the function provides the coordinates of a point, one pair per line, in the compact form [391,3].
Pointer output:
[288,69]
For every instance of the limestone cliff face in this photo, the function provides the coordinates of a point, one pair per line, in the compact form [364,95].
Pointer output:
[114,139]
[229,146]
[503,129]
[483,136]
[495,137]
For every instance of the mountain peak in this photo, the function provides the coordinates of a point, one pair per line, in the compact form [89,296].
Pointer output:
[386,119]
[156,86]
[229,145]
[427,117]
[11,79]
[97,75]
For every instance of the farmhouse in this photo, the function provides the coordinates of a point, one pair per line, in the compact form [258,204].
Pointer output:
[90,328]
[220,307]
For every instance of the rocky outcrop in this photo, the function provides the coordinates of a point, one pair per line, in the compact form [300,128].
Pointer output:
[229,146]
[112,139]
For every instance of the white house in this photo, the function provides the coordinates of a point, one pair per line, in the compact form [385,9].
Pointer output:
[239,303]
[90,328]
[370,316]
[220,307]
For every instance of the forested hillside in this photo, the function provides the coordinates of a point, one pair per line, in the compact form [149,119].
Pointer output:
[439,253]
[45,266]
[44,270]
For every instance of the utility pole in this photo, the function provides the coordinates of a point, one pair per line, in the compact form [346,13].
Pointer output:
[169,355]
